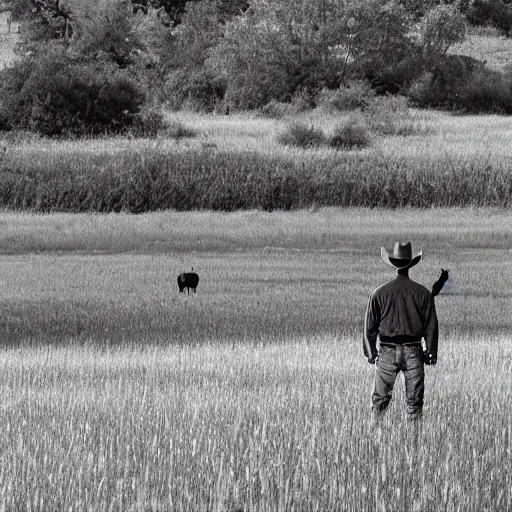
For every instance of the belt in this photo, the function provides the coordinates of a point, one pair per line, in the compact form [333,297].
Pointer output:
[395,341]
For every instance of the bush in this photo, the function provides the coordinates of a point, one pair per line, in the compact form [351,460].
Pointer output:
[356,94]
[301,135]
[486,91]
[304,99]
[439,86]
[390,115]
[491,12]
[276,109]
[54,95]
[192,89]
[350,135]
[177,130]
[148,123]
[481,90]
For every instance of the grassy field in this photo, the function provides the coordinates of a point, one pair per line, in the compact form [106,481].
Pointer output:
[236,163]
[117,393]
[486,45]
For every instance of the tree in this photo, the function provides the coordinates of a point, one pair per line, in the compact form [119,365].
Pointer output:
[277,48]
[441,27]
[41,20]
[105,27]
[418,8]
[380,37]
[176,8]
[97,74]
[188,80]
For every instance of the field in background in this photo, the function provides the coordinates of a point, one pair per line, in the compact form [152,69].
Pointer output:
[263,276]
[117,393]
[486,45]
[236,163]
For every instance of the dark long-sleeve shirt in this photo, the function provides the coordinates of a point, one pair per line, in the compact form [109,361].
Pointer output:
[400,307]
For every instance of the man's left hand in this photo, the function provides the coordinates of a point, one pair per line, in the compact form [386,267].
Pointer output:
[429,359]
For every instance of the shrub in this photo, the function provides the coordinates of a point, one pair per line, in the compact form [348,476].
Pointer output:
[356,94]
[301,135]
[303,99]
[52,94]
[439,86]
[177,130]
[481,90]
[148,123]
[276,109]
[491,12]
[389,115]
[486,91]
[192,89]
[350,135]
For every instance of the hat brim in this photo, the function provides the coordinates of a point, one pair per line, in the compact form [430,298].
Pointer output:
[398,262]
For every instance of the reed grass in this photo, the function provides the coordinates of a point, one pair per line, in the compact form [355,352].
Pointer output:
[237,164]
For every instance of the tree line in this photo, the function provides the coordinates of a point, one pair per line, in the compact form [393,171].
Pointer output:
[96,66]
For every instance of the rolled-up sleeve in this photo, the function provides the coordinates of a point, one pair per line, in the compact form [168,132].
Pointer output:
[431,330]
[371,327]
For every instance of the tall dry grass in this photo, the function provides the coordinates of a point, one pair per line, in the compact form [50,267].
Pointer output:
[117,393]
[463,163]
[253,428]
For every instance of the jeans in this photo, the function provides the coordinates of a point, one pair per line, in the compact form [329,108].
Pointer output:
[393,359]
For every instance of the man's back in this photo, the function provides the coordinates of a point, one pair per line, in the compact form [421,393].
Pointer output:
[403,307]
[403,310]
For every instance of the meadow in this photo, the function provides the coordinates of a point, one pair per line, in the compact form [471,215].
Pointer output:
[117,393]
[236,163]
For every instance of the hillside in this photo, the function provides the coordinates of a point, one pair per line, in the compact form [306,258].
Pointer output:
[494,49]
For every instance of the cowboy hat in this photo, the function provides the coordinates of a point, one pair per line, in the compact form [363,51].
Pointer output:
[401,256]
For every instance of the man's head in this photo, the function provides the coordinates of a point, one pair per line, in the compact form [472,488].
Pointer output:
[401,258]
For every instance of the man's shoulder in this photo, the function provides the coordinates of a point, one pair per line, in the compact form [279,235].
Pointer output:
[399,284]
[382,288]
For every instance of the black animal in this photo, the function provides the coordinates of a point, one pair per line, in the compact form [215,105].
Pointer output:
[188,280]
[438,285]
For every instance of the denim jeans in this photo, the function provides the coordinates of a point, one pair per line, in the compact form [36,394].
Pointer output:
[393,359]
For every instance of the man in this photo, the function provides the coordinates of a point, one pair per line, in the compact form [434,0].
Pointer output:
[401,313]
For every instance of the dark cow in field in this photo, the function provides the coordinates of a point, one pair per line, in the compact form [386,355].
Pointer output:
[438,285]
[188,280]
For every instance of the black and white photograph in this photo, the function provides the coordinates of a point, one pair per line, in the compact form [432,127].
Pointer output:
[255,256]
